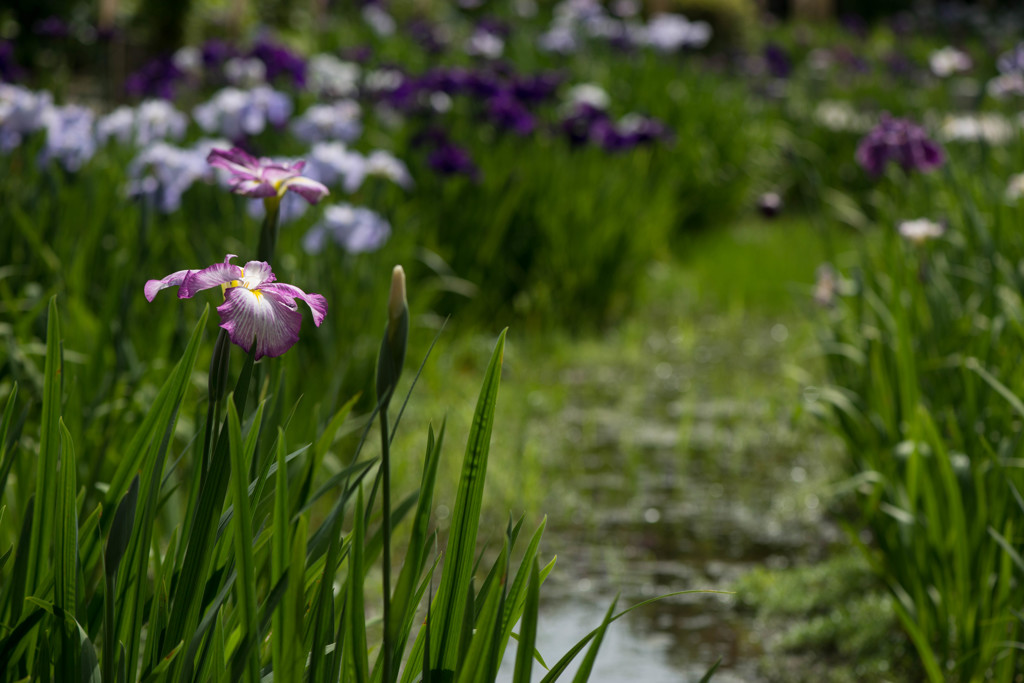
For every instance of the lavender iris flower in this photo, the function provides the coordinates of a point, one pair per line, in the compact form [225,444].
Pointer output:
[332,162]
[337,121]
[263,178]
[69,136]
[150,121]
[354,228]
[898,140]
[1012,61]
[235,113]
[164,172]
[157,78]
[255,305]
[22,112]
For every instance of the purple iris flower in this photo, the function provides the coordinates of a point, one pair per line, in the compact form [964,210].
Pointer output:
[262,178]
[156,79]
[533,89]
[449,159]
[10,71]
[1012,61]
[509,113]
[279,61]
[578,124]
[779,64]
[899,140]
[52,27]
[215,52]
[255,305]
[355,228]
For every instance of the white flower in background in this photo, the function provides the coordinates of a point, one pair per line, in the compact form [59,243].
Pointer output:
[485,44]
[820,59]
[189,59]
[331,162]
[234,113]
[383,80]
[558,39]
[526,9]
[355,228]
[337,121]
[382,23]
[948,61]
[994,129]
[1015,187]
[672,32]
[69,136]
[840,116]
[1006,85]
[150,121]
[22,112]
[826,285]
[331,77]
[589,94]
[921,230]
[245,72]
[626,8]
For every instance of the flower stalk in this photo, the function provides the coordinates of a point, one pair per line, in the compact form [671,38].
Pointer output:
[389,368]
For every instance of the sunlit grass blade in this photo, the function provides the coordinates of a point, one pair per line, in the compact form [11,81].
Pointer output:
[528,626]
[355,626]
[461,549]
[65,537]
[243,536]
[186,605]
[49,445]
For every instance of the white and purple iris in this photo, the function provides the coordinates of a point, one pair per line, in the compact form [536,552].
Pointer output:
[264,178]
[255,305]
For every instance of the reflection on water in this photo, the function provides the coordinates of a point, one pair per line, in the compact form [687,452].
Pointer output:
[688,469]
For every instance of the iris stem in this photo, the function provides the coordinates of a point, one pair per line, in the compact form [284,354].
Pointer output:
[385,464]
[268,232]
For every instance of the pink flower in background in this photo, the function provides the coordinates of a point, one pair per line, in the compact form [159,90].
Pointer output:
[264,177]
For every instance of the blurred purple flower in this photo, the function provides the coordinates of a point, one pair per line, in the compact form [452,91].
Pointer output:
[157,78]
[354,228]
[534,89]
[1012,61]
[263,178]
[579,123]
[427,35]
[10,70]
[779,64]
[51,27]
[854,24]
[509,113]
[901,141]
[279,61]
[215,52]
[255,304]
[449,159]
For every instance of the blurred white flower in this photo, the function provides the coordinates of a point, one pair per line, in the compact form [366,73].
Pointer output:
[590,94]
[22,112]
[485,44]
[354,228]
[245,72]
[382,23]
[331,77]
[672,32]
[948,61]
[189,59]
[234,113]
[921,230]
[1015,187]
[840,116]
[337,121]
[993,128]
[1006,85]
[826,285]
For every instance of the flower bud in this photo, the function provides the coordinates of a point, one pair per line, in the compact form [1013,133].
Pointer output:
[392,348]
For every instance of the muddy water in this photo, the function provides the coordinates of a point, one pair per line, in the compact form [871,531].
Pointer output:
[691,463]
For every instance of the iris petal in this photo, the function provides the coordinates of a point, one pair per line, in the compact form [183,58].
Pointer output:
[217,274]
[271,318]
[316,302]
[309,189]
[173,280]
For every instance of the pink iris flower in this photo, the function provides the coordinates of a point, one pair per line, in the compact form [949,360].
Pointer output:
[255,305]
[265,178]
